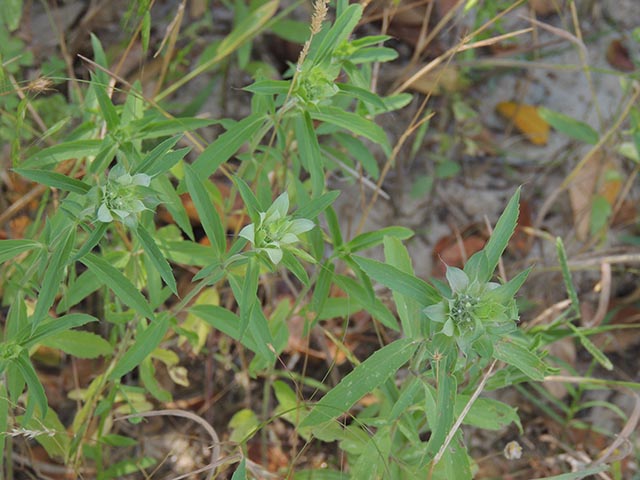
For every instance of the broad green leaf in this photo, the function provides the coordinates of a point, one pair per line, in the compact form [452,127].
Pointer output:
[53,327]
[145,342]
[454,462]
[204,206]
[227,144]
[487,413]
[353,123]
[53,277]
[156,257]
[64,151]
[367,376]
[399,281]
[56,444]
[514,354]
[36,390]
[368,240]
[10,15]
[569,126]
[79,344]
[55,180]
[502,233]
[309,151]
[10,249]
[118,283]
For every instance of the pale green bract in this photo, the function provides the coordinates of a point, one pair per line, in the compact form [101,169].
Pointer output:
[276,230]
[123,197]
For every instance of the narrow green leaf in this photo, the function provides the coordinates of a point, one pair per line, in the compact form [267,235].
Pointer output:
[566,276]
[106,106]
[375,307]
[323,286]
[53,327]
[101,59]
[353,123]
[64,151]
[368,240]
[269,87]
[361,94]
[227,144]
[309,151]
[595,352]
[145,130]
[173,203]
[520,357]
[241,471]
[54,180]
[445,402]
[145,343]
[154,155]
[569,126]
[225,321]
[249,199]
[316,206]
[502,233]
[156,257]
[339,32]
[97,234]
[396,255]
[4,420]
[53,277]
[145,30]
[149,380]
[79,344]
[36,390]
[118,283]
[367,376]
[399,281]
[579,475]
[208,214]
[10,249]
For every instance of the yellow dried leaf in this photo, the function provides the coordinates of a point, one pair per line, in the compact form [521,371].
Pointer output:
[445,79]
[526,119]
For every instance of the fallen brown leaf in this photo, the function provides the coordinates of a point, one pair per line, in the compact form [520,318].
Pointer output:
[526,120]
[618,57]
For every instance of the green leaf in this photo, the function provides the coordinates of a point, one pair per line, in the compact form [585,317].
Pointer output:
[173,203]
[353,123]
[595,352]
[241,471]
[119,284]
[53,277]
[64,151]
[367,376]
[106,106]
[145,343]
[155,155]
[514,354]
[361,94]
[309,151]
[339,32]
[36,390]
[147,375]
[10,14]
[79,344]
[54,180]
[227,322]
[227,144]
[579,475]
[10,249]
[569,126]
[322,286]
[96,235]
[375,307]
[101,59]
[269,87]
[4,418]
[487,413]
[156,257]
[249,199]
[368,240]
[399,281]
[566,276]
[316,206]
[144,130]
[52,328]
[408,308]
[208,214]
[502,233]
